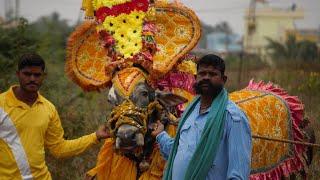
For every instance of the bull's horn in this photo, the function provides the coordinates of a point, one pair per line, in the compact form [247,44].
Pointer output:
[139,139]
[118,141]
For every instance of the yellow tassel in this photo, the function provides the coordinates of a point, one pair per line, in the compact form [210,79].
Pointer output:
[88,8]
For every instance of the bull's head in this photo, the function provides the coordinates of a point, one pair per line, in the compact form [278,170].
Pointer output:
[136,106]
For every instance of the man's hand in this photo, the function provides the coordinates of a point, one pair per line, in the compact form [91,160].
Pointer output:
[157,129]
[102,132]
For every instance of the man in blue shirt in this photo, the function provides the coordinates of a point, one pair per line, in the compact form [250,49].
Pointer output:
[214,137]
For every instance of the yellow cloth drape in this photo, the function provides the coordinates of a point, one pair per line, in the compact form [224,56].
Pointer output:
[111,166]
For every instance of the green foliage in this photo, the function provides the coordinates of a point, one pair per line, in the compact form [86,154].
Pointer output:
[293,49]
[13,43]
[52,33]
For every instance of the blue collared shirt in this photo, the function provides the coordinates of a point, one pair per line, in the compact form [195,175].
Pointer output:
[233,157]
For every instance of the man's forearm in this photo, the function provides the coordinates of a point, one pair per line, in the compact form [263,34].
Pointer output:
[166,143]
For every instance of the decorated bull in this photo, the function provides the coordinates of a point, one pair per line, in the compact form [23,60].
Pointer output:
[138,48]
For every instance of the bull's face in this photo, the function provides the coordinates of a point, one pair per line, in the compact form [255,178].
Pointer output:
[130,121]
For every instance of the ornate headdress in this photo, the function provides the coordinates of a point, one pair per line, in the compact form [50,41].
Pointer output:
[154,36]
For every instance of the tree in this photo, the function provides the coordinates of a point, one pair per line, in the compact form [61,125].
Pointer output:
[52,33]
[308,50]
[14,42]
[223,27]
[293,49]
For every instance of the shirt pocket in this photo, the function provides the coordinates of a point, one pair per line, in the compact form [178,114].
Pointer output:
[187,138]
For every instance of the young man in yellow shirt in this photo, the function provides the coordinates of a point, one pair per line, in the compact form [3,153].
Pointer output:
[29,123]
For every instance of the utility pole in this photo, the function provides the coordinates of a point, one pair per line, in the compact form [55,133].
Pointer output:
[6,9]
[251,24]
[17,9]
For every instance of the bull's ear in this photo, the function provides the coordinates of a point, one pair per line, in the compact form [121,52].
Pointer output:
[168,99]
[114,98]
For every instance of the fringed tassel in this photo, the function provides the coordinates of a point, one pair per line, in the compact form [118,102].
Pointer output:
[88,8]
[70,65]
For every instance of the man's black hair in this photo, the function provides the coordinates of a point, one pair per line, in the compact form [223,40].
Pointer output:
[212,60]
[31,59]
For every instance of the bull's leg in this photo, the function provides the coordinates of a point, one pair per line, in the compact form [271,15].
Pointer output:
[139,139]
[118,142]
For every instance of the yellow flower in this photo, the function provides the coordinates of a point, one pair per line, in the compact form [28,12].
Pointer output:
[126,29]
[136,18]
[134,33]
[110,23]
[130,50]
[188,67]
[100,28]
[120,34]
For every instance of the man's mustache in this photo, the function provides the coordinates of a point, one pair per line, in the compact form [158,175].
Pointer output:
[214,89]
[205,83]
[32,83]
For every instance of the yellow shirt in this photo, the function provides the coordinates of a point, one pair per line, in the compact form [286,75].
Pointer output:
[25,132]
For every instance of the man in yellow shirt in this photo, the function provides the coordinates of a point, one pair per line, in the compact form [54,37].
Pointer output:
[29,123]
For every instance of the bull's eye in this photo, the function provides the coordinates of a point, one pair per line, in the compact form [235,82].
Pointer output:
[144,93]
[133,137]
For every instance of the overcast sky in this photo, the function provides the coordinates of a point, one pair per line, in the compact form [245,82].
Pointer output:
[209,11]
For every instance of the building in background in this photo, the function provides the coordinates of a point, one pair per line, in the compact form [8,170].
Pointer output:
[267,22]
[224,43]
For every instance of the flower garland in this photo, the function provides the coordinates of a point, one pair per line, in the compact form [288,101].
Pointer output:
[127,8]
[126,29]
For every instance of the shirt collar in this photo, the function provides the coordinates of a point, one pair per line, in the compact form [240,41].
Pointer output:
[204,113]
[12,100]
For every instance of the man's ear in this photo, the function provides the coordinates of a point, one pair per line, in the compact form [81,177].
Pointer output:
[168,99]
[44,75]
[224,78]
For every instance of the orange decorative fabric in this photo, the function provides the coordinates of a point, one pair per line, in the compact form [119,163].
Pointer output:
[91,63]
[126,80]
[86,58]
[269,117]
[179,32]
[110,165]
[274,114]
[279,159]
